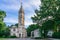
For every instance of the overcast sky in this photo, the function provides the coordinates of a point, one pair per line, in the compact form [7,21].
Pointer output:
[11,7]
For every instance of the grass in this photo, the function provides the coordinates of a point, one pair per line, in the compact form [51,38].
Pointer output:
[1,39]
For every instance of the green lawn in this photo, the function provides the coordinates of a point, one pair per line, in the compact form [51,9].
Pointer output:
[2,39]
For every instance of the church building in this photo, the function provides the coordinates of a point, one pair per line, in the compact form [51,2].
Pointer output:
[19,31]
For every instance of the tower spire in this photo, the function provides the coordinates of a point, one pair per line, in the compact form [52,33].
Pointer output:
[21,15]
[21,2]
[20,31]
[21,7]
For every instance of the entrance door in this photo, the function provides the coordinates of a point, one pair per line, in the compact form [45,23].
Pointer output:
[19,35]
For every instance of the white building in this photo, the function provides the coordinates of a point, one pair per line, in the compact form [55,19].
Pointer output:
[35,33]
[19,31]
[50,33]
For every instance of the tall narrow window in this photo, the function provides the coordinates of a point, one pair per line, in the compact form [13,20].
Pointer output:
[14,29]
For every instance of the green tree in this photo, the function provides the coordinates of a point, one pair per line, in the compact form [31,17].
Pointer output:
[2,15]
[16,24]
[47,26]
[2,24]
[31,27]
[49,10]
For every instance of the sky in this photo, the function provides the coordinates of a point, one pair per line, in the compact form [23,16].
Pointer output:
[11,7]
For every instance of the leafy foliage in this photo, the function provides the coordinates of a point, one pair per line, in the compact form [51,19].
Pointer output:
[31,28]
[49,15]
[2,15]
[4,31]
[49,25]
[56,35]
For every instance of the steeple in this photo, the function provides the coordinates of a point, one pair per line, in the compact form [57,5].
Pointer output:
[21,16]
[21,8]
[20,31]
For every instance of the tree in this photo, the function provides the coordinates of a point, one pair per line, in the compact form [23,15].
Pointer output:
[16,24]
[2,15]
[31,27]
[2,24]
[49,10]
[47,26]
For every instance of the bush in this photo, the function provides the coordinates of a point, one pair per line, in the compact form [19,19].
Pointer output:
[4,36]
[38,38]
[56,35]
[13,37]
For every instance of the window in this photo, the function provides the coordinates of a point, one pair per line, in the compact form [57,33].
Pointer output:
[14,34]
[14,29]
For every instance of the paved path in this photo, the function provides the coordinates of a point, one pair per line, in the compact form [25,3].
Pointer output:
[29,39]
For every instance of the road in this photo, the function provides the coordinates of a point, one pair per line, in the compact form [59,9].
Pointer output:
[29,39]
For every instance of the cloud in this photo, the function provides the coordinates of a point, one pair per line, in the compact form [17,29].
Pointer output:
[28,22]
[10,20]
[15,4]
[9,4]
[34,3]
[12,7]
[9,7]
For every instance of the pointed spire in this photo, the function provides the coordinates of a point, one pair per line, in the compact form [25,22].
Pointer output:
[21,2]
[21,8]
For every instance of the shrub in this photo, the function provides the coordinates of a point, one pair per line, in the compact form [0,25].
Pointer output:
[13,37]
[56,35]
